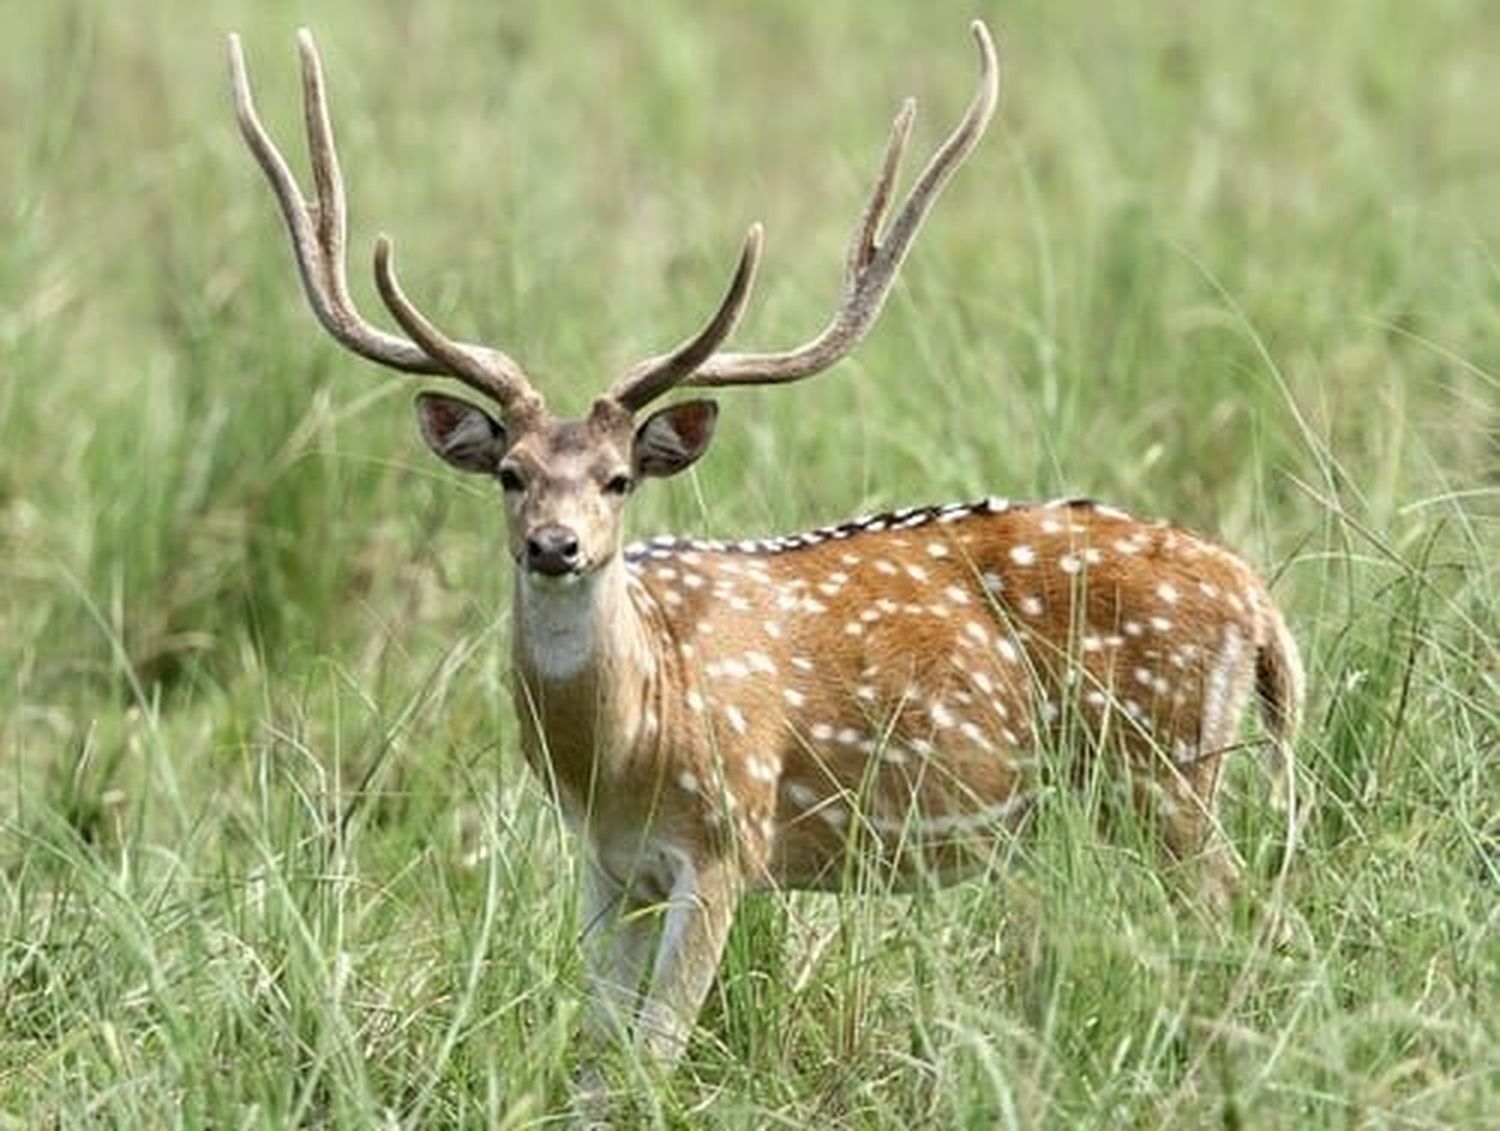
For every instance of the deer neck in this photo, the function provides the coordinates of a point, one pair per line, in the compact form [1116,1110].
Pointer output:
[585,673]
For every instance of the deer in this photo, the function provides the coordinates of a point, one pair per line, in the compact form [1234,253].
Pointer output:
[719,717]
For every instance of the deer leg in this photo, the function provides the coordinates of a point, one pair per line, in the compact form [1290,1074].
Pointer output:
[617,936]
[700,909]
[1186,807]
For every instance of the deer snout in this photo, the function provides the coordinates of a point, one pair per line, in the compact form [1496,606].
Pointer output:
[552,550]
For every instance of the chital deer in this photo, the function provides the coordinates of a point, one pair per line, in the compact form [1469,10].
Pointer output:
[719,716]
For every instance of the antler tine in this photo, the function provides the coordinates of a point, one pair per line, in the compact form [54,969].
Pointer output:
[317,229]
[872,263]
[654,376]
[512,391]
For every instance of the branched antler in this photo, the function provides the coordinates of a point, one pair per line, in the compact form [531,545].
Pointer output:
[870,267]
[317,229]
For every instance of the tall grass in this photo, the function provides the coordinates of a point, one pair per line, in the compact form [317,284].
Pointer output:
[267,852]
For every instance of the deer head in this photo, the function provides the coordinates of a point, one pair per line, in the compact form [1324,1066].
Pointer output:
[565,481]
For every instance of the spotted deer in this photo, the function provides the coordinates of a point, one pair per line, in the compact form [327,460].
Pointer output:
[713,716]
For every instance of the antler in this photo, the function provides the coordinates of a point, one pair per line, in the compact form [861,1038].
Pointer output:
[317,230]
[870,266]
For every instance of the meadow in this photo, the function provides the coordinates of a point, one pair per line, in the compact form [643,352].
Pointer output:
[269,854]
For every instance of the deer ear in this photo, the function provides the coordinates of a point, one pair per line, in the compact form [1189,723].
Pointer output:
[673,438]
[461,433]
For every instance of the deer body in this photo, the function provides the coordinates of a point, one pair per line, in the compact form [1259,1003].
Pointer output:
[714,717]
[896,675]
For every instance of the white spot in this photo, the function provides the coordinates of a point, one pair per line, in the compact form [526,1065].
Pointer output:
[836,816]
[866,692]
[870,616]
[1070,563]
[1207,589]
[916,573]
[821,732]
[1092,556]
[802,796]
[1105,511]
[848,736]
[937,550]
[1132,628]
[1126,546]
[1167,592]
[735,669]
[850,559]
[1143,676]
[886,567]
[1051,526]
[1022,555]
[854,628]
[1095,698]
[992,582]
[973,733]
[983,682]
[996,505]
[801,663]
[941,715]
[1092,643]
[1161,624]
[772,629]
[687,781]
[762,769]
[794,697]
[1007,650]
[1031,606]
[694,701]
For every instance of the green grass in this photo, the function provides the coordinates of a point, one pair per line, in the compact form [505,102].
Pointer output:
[268,853]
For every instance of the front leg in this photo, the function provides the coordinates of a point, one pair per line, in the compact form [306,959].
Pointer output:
[699,911]
[617,935]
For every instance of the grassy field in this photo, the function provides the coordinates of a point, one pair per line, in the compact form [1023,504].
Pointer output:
[268,851]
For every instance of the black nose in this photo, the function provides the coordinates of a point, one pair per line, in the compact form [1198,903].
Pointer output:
[552,550]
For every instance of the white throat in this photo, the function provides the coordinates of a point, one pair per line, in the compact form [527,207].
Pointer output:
[559,622]
[565,623]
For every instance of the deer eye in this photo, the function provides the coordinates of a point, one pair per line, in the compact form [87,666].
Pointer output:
[618,484]
[510,480]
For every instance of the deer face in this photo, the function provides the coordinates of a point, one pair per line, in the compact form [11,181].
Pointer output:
[565,482]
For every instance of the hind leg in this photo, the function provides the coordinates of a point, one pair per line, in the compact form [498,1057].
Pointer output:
[1185,805]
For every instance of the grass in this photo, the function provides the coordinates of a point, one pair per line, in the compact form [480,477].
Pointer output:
[268,853]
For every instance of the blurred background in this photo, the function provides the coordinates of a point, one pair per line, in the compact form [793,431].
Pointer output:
[1234,264]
